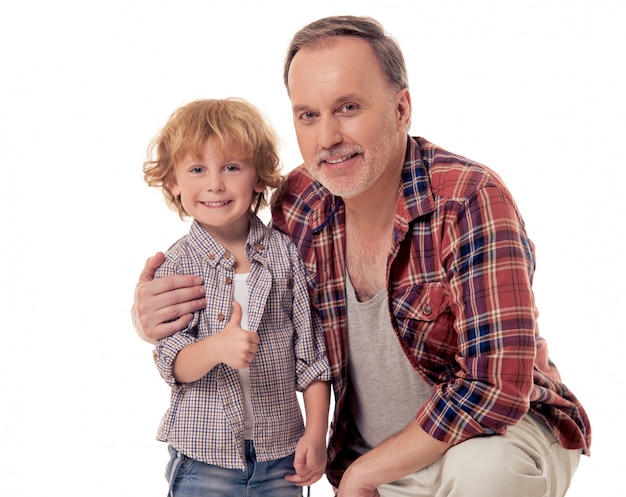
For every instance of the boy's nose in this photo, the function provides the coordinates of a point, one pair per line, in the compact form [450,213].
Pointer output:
[214,182]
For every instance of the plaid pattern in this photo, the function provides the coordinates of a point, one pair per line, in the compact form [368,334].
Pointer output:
[205,420]
[460,276]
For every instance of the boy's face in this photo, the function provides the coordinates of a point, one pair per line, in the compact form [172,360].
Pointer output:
[217,189]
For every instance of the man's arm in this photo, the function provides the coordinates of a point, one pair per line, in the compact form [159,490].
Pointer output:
[166,305]
[400,455]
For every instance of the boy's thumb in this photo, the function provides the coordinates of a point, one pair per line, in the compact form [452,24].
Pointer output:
[236,313]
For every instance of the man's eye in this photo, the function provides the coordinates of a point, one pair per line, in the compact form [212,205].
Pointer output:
[349,107]
[307,116]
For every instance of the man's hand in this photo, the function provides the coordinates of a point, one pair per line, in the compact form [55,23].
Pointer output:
[352,485]
[165,305]
[400,455]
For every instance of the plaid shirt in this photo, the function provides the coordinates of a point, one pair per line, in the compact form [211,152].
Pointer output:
[459,284]
[205,420]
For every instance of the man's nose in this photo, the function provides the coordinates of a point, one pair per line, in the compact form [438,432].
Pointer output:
[329,132]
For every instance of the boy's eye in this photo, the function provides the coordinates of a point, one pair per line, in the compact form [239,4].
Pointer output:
[197,170]
[231,167]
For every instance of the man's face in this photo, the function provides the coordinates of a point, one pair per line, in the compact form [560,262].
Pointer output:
[350,124]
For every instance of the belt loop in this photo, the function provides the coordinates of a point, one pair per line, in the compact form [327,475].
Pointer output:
[180,457]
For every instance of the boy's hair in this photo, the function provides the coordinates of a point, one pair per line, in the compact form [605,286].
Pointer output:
[236,123]
[321,32]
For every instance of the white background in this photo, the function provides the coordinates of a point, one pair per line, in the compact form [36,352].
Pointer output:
[534,89]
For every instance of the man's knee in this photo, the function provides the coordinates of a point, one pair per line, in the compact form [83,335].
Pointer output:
[483,468]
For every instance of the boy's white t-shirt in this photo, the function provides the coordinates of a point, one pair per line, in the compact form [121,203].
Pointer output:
[241,297]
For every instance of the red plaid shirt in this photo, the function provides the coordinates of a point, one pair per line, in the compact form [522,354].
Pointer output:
[460,295]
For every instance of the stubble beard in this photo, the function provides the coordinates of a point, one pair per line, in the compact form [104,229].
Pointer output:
[347,184]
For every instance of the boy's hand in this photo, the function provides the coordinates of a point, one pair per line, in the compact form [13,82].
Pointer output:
[309,462]
[237,346]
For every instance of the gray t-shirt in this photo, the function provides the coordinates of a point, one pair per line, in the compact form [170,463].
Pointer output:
[386,392]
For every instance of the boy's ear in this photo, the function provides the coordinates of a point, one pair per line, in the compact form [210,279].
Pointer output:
[171,183]
[259,187]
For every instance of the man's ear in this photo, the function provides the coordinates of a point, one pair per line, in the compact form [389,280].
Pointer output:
[403,109]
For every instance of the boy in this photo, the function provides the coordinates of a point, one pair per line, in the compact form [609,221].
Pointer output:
[234,425]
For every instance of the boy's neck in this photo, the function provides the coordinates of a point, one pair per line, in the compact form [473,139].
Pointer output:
[234,241]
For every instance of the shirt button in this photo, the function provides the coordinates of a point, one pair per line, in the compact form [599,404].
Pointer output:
[427,310]
[220,317]
[229,280]
[227,255]
[211,256]
[260,246]
[290,283]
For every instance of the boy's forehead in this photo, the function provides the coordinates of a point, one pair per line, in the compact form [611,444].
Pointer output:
[215,145]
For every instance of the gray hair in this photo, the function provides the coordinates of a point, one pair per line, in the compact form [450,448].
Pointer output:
[386,49]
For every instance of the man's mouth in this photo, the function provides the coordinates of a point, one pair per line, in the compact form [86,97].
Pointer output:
[339,160]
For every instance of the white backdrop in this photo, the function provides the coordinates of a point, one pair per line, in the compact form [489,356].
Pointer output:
[534,89]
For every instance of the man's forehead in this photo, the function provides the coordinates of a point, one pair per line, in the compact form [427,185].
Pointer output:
[341,72]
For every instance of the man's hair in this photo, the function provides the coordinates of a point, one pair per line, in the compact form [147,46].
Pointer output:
[321,33]
[237,125]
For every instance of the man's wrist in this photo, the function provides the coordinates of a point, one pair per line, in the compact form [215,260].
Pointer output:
[364,473]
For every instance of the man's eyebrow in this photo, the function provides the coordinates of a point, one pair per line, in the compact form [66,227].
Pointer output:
[348,97]
[299,108]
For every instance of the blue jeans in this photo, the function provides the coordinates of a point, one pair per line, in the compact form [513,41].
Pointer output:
[190,478]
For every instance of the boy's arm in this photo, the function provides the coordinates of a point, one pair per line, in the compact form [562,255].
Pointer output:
[310,457]
[233,346]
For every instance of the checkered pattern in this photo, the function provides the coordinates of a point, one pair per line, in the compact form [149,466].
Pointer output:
[205,420]
[460,277]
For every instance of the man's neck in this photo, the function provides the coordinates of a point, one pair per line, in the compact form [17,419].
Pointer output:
[369,228]
[375,209]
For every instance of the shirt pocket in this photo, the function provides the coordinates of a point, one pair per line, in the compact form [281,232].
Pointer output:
[281,295]
[425,323]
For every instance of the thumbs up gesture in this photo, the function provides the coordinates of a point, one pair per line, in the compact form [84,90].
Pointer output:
[237,345]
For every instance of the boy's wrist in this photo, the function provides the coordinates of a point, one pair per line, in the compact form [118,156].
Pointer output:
[315,434]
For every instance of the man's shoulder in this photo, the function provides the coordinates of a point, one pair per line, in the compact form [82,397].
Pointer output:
[453,175]
[299,185]
[297,199]
[271,238]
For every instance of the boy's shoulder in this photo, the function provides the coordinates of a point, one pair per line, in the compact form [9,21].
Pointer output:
[267,237]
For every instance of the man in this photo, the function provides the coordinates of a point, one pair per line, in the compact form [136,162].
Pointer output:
[421,271]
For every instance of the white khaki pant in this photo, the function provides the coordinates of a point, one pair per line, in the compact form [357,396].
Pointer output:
[527,461]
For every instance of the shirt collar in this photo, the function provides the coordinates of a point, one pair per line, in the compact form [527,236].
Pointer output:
[213,252]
